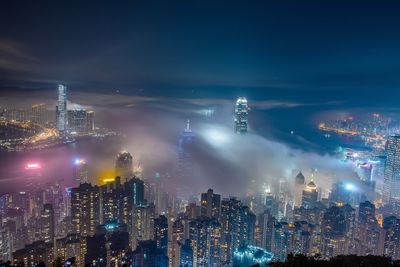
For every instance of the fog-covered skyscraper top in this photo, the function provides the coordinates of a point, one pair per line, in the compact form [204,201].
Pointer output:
[61,109]
[124,165]
[241,115]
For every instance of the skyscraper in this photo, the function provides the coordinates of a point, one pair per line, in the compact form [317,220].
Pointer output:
[85,209]
[185,160]
[47,223]
[391,190]
[210,204]
[124,165]
[77,121]
[310,196]
[61,109]
[38,114]
[241,115]
[299,183]
[80,171]
[90,121]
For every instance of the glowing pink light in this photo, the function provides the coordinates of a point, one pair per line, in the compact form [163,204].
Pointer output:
[33,166]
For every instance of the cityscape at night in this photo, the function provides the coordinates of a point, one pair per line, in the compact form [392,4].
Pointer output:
[199,133]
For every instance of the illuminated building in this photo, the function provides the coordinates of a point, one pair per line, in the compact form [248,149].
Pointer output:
[391,242]
[135,191]
[85,209]
[47,223]
[161,232]
[364,172]
[109,246]
[337,231]
[310,196]
[38,114]
[345,192]
[6,243]
[142,227]
[175,240]
[31,255]
[185,161]
[80,171]
[391,192]
[210,204]
[205,237]
[90,121]
[245,256]
[124,165]
[367,230]
[116,205]
[186,255]
[299,182]
[241,115]
[267,223]
[77,121]
[61,109]
[71,246]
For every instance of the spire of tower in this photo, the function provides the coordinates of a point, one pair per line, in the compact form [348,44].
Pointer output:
[188,125]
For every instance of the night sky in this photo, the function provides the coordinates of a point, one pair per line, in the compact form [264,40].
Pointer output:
[304,50]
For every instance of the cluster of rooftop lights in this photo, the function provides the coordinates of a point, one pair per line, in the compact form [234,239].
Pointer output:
[253,254]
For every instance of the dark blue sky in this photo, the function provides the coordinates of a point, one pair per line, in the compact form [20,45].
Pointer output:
[298,49]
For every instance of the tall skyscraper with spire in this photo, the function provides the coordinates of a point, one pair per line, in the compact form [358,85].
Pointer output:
[185,162]
[241,115]
[61,109]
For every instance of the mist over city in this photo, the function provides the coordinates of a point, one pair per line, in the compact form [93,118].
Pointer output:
[199,134]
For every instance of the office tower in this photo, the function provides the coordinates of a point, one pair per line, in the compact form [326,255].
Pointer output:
[241,115]
[267,222]
[299,183]
[61,109]
[124,165]
[392,170]
[337,231]
[142,227]
[161,232]
[134,189]
[271,204]
[90,121]
[210,204]
[47,223]
[85,209]
[185,160]
[77,121]
[38,114]
[310,196]
[367,230]
[80,171]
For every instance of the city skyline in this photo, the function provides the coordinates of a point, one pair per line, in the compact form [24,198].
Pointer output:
[199,134]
